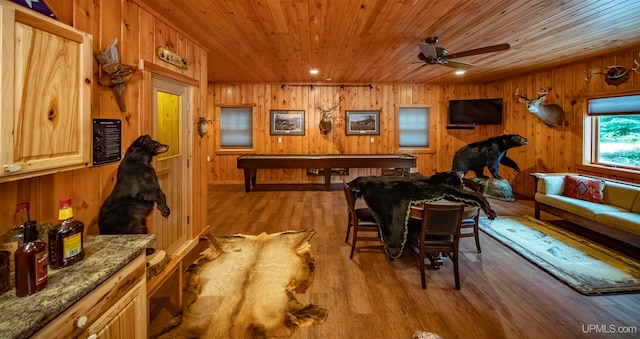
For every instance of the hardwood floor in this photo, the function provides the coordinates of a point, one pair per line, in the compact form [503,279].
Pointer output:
[502,296]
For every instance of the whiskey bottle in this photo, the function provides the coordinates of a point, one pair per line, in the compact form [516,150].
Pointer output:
[66,240]
[31,273]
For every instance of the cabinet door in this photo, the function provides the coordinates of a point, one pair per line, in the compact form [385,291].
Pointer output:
[126,319]
[46,94]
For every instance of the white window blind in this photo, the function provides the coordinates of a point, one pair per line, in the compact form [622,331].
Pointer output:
[615,105]
[236,127]
[413,126]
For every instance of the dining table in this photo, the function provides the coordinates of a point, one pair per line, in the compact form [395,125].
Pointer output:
[394,200]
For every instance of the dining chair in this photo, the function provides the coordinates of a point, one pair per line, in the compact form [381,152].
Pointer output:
[360,219]
[439,232]
[469,226]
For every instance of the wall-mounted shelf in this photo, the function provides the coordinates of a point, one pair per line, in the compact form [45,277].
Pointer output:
[472,126]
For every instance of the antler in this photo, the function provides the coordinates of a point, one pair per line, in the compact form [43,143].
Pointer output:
[637,68]
[520,97]
[327,110]
[543,91]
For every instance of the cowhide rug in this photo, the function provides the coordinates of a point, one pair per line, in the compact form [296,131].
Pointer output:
[245,287]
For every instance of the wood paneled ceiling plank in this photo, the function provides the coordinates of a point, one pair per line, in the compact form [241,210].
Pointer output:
[363,41]
[278,16]
[390,34]
[336,39]
[354,50]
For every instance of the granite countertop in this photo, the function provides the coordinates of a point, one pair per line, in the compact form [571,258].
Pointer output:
[104,256]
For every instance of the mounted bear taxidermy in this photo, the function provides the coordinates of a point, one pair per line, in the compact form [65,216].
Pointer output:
[488,153]
[136,191]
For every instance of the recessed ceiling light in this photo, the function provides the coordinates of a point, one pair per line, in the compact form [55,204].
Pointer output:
[459,72]
[314,71]
[327,79]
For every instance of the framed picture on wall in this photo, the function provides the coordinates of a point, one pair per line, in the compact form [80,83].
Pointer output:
[363,122]
[287,122]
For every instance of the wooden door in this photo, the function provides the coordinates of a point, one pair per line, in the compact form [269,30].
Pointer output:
[171,116]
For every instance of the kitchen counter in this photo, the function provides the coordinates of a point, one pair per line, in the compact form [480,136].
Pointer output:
[104,256]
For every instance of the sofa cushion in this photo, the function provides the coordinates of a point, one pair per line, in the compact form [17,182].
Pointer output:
[620,195]
[627,221]
[586,209]
[582,188]
[550,184]
[636,205]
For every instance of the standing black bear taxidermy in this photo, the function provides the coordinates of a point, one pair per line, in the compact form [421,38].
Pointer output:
[126,209]
[490,152]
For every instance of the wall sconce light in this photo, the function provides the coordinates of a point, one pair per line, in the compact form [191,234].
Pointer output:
[203,126]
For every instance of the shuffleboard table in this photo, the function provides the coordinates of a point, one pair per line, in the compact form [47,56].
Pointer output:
[250,163]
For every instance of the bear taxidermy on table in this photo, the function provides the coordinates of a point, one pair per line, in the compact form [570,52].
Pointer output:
[489,153]
[136,191]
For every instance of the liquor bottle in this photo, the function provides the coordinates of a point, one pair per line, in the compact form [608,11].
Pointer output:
[13,238]
[66,240]
[31,273]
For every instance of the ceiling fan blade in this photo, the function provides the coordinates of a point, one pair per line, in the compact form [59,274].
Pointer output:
[488,49]
[458,65]
[428,50]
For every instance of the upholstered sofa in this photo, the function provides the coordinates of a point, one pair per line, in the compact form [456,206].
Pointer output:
[606,206]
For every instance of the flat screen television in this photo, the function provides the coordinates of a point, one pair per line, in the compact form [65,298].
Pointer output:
[475,111]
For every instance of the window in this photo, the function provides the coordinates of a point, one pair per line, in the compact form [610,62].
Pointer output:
[413,127]
[236,127]
[615,131]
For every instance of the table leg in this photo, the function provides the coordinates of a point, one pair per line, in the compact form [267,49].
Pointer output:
[327,179]
[249,178]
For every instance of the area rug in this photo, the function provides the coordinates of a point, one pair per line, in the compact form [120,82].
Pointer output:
[245,286]
[587,267]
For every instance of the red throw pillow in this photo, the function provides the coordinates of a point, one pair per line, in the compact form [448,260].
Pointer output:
[583,188]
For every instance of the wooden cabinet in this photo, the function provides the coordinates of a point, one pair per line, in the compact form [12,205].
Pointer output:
[126,319]
[117,308]
[45,81]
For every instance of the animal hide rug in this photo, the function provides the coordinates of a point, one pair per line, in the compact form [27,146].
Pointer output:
[390,199]
[245,287]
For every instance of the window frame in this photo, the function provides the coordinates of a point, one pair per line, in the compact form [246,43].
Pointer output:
[430,129]
[591,138]
[237,149]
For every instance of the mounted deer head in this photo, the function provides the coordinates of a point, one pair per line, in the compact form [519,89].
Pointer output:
[325,121]
[552,114]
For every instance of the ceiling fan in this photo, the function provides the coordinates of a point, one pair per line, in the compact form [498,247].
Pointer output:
[432,55]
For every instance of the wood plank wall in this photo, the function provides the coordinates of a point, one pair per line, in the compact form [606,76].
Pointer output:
[558,149]
[139,31]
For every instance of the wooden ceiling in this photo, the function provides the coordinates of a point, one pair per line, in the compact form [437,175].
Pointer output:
[376,41]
